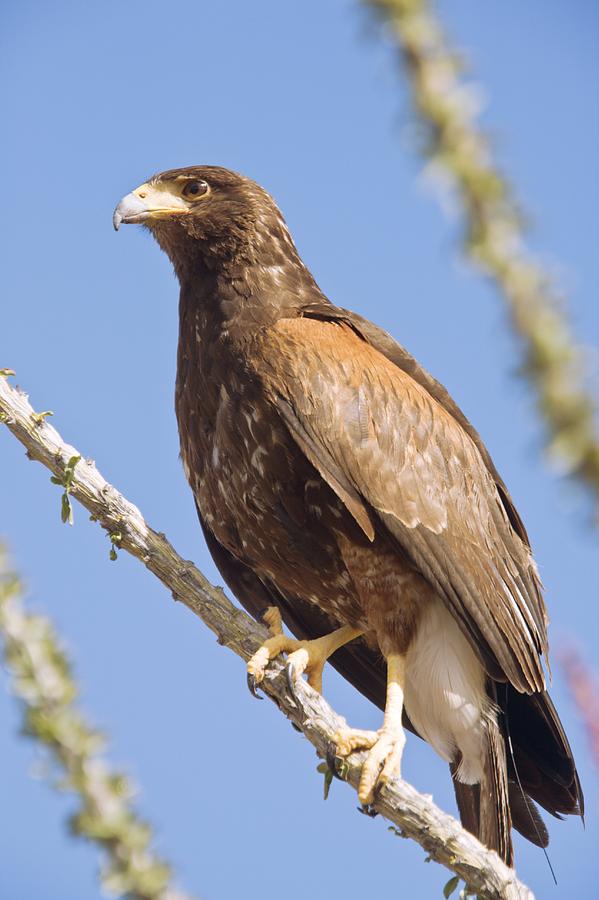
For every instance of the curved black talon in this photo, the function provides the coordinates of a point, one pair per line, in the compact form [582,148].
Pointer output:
[367,809]
[377,790]
[331,758]
[251,679]
[291,677]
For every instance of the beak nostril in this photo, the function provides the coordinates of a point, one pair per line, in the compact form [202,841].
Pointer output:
[131,209]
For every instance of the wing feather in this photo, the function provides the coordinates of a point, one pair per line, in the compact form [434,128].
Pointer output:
[397,457]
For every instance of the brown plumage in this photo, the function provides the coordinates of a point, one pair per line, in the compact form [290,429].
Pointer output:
[337,480]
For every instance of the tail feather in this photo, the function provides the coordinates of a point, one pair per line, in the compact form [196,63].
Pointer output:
[526,817]
[494,809]
[485,807]
[542,754]
[468,800]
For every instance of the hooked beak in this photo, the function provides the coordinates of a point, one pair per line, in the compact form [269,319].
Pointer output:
[148,203]
[132,209]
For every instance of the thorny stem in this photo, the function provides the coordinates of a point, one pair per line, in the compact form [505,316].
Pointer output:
[41,678]
[494,234]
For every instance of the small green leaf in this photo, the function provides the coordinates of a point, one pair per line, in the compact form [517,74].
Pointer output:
[38,418]
[66,481]
[451,886]
[69,471]
[328,778]
[115,540]
[66,510]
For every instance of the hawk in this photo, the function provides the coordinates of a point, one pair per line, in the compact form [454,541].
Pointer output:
[341,490]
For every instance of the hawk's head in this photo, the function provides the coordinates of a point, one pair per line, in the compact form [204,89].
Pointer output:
[207,211]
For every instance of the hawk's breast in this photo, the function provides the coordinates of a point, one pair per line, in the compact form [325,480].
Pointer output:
[262,499]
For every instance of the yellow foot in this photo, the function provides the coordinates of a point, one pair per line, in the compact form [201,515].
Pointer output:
[277,643]
[382,763]
[305,656]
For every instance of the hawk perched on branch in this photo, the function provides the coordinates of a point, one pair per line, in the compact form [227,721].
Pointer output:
[340,488]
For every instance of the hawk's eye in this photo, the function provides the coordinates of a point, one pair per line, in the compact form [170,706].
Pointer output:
[195,189]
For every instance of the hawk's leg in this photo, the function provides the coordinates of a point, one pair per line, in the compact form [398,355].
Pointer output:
[310,656]
[386,745]
[305,656]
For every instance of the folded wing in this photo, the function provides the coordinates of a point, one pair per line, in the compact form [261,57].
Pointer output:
[401,462]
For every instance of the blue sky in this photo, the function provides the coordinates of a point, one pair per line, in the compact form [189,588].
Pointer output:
[306,99]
